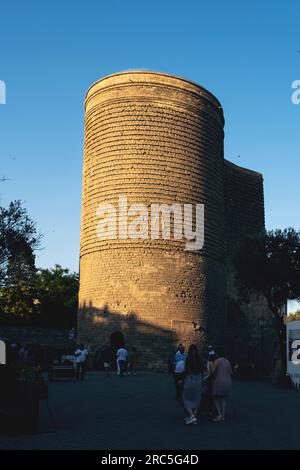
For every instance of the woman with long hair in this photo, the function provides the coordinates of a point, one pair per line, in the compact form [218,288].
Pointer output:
[221,384]
[192,386]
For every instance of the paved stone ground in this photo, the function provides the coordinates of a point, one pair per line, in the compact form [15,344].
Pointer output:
[141,413]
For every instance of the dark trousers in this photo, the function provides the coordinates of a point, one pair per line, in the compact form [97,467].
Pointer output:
[178,380]
[122,365]
[80,370]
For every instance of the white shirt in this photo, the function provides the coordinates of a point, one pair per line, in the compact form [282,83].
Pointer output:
[180,362]
[81,355]
[122,354]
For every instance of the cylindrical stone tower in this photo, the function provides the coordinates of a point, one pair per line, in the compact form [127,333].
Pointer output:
[151,138]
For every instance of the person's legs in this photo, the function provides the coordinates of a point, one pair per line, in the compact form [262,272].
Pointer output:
[82,372]
[118,368]
[218,405]
[121,366]
[175,377]
[191,418]
[211,405]
[190,412]
[198,408]
[223,406]
[178,378]
[77,370]
[180,385]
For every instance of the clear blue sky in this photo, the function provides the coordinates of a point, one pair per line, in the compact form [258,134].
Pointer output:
[246,53]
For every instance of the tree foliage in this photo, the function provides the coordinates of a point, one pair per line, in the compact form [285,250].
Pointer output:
[270,263]
[44,296]
[18,302]
[57,292]
[18,240]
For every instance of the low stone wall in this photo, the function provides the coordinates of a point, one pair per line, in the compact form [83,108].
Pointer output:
[55,337]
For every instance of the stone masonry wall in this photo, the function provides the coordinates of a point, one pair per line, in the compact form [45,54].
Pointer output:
[154,138]
[244,215]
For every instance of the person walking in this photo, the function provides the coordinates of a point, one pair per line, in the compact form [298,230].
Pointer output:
[133,359]
[81,355]
[192,384]
[210,359]
[221,384]
[106,357]
[207,401]
[122,356]
[179,365]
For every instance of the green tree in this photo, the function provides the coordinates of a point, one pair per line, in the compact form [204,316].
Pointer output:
[18,302]
[270,263]
[18,240]
[57,292]
[43,295]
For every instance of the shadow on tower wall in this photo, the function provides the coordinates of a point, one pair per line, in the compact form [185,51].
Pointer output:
[97,328]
